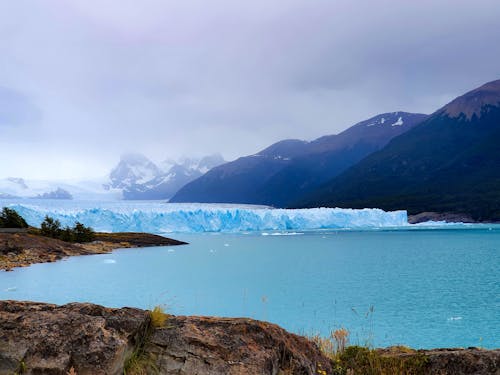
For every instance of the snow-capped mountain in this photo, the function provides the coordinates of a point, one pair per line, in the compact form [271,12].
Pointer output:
[140,178]
[448,163]
[284,171]
[15,187]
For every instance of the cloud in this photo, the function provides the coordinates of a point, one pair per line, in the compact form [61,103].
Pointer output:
[17,109]
[170,78]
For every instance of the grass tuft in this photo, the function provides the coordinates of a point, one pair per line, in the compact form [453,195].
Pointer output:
[349,360]
[158,317]
[140,363]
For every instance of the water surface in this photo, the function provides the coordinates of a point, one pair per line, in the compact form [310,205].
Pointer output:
[422,288]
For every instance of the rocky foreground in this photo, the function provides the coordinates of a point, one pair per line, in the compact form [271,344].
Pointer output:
[23,249]
[81,338]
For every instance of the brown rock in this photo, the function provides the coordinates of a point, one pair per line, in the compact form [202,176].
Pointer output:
[201,345]
[50,339]
[472,361]
[457,361]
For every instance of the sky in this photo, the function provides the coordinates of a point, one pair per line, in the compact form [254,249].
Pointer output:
[84,81]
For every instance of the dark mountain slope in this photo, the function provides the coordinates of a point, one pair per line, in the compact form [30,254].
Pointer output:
[448,163]
[287,169]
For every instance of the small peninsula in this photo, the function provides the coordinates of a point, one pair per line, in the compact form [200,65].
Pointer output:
[23,248]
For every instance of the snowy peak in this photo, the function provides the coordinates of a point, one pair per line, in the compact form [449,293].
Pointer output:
[390,119]
[377,130]
[475,102]
[140,178]
[209,162]
[133,169]
[200,165]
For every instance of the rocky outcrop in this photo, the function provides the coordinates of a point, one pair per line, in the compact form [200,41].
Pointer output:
[201,345]
[456,361]
[48,339]
[39,338]
[23,249]
[463,361]
[449,217]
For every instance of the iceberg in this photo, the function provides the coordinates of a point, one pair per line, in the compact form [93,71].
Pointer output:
[160,217]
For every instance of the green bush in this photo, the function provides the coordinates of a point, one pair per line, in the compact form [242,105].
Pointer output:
[11,219]
[50,228]
[79,233]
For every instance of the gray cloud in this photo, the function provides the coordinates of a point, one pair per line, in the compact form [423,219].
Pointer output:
[171,78]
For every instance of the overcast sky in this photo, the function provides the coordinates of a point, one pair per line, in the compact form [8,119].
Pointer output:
[83,81]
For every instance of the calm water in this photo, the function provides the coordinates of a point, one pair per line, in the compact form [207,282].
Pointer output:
[423,288]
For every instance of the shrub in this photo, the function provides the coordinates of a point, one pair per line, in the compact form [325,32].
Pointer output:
[67,235]
[79,233]
[348,360]
[50,227]
[9,218]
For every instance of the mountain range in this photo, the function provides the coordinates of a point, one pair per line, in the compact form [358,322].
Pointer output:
[448,163]
[134,177]
[286,170]
[139,178]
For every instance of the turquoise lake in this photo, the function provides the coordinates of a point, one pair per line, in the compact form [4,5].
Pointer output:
[418,287]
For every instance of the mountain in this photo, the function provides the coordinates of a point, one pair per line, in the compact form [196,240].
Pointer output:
[139,178]
[448,163]
[59,193]
[15,188]
[288,169]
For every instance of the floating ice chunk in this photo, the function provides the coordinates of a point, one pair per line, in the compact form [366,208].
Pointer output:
[451,318]
[284,234]
[109,261]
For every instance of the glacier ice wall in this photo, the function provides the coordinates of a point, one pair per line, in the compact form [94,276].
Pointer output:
[158,217]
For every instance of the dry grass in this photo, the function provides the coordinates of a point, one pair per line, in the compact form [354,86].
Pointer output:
[333,345]
[140,363]
[158,317]
[353,360]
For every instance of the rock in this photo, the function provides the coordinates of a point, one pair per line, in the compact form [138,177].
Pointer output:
[463,361]
[201,345]
[46,339]
[458,361]
[50,339]
[449,217]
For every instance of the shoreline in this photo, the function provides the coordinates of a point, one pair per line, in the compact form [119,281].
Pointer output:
[23,249]
[42,338]
[448,217]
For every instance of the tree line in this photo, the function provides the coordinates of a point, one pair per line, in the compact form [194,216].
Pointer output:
[50,227]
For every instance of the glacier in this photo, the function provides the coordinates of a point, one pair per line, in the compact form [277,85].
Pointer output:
[159,217]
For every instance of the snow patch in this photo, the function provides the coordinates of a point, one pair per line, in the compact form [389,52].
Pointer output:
[399,122]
